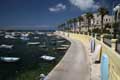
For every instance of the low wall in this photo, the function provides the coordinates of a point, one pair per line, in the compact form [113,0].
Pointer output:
[114,57]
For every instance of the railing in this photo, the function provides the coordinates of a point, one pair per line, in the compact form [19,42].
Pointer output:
[85,33]
[93,34]
[81,32]
[118,46]
[107,41]
[98,37]
[114,64]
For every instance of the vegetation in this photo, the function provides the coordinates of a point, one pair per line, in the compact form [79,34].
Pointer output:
[89,16]
[80,19]
[102,12]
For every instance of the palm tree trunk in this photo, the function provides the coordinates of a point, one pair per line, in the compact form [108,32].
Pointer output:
[79,26]
[88,25]
[102,17]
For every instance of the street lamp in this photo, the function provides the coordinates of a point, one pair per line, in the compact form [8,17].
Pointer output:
[117,10]
[117,16]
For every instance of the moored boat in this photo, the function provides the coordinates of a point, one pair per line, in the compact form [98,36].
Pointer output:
[9,59]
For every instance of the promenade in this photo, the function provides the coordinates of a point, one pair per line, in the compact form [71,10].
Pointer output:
[74,65]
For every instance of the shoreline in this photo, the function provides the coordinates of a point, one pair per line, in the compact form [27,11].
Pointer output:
[77,66]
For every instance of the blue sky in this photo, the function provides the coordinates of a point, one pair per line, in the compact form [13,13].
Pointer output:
[45,13]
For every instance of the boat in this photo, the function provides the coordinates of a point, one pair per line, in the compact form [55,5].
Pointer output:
[42,46]
[36,37]
[9,36]
[60,41]
[61,48]
[33,43]
[9,59]
[48,58]
[6,46]
[64,45]
[24,37]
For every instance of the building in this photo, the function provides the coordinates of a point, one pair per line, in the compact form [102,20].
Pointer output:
[84,24]
[108,19]
[96,22]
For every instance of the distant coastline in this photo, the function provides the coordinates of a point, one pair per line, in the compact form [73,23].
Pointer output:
[41,28]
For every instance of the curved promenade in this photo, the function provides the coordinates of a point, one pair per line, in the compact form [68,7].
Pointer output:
[73,66]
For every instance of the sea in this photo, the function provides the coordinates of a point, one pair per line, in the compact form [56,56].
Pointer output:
[29,47]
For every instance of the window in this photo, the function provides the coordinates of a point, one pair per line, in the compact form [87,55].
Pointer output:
[97,22]
[106,20]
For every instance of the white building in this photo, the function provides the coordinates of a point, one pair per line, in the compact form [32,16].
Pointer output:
[84,23]
[96,22]
[108,19]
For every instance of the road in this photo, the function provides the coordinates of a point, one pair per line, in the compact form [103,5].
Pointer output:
[73,66]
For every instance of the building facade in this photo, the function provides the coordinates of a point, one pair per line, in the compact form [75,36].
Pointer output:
[96,22]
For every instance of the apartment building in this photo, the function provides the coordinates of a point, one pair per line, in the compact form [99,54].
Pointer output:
[96,22]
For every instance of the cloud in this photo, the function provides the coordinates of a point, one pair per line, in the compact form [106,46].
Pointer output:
[57,8]
[84,4]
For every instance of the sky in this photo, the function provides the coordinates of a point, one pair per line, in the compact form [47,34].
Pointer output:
[48,14]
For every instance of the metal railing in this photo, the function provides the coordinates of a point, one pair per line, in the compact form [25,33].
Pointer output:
[118,46]
[98,37]
[107,41]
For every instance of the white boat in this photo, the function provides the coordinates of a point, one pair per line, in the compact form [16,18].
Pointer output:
[65,45]
[24,36]
[6,46]
[40,33]
[9,36]
[36,37]
[33,43]
[9,59]
[48,58]
[42,46]
[61,41]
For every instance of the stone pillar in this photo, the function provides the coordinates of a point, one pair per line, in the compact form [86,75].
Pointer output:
[101,38]
[113,43]
[68,34]
[95,36]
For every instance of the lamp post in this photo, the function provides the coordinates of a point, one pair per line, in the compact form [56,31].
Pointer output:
[117,11]
[117,15]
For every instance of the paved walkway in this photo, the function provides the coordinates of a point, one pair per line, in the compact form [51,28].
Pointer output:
[73,66]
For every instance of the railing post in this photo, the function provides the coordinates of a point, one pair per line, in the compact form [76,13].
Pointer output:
[68,34]
[113,43]
[95,35]
[101,38]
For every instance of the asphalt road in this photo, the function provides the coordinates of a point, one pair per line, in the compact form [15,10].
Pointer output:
[73,66]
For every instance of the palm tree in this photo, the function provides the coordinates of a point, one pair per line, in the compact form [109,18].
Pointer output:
[89,17]
[75,20]
[102,11]
[80,19]
[60,27]
[69,23]
[64,26]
